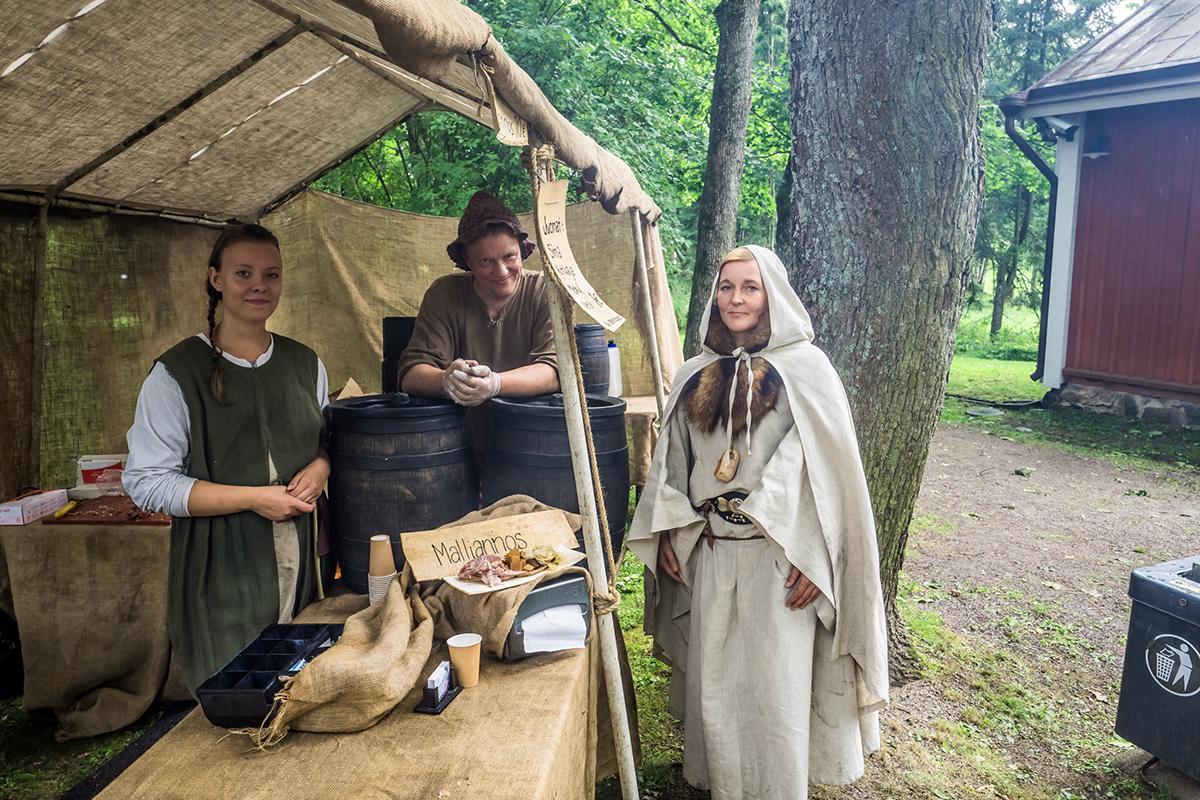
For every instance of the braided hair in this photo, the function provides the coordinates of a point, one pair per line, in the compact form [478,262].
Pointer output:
[233,234]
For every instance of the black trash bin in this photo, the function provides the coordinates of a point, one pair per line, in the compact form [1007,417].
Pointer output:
[1159,709]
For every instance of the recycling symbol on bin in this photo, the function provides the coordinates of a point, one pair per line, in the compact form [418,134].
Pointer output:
[1174,663]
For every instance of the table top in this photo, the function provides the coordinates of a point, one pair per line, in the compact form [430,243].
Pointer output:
[526,731]
[108,510]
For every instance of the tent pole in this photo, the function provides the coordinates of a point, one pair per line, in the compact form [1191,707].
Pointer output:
[643,278]
[585,490]
[38,369]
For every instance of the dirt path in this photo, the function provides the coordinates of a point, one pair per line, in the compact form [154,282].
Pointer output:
[1028,575]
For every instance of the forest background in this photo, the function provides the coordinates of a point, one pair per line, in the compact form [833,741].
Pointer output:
[637,76]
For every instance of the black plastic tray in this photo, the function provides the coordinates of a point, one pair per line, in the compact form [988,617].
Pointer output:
[241,693]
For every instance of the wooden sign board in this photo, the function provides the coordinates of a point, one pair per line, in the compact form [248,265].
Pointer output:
[436,554]
[510,129]
[551,218]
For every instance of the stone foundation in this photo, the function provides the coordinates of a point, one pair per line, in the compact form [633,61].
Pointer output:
[1110,401]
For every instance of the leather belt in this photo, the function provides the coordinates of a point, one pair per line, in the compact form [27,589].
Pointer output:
[728,507]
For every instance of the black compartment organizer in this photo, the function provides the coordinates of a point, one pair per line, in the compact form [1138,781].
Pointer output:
[241,693]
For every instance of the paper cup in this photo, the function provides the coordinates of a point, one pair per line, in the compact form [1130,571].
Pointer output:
[377,586]
[464,657]
[382,562]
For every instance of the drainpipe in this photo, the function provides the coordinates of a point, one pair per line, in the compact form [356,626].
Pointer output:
[1011,106]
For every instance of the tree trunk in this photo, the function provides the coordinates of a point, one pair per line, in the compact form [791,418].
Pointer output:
[1006,268]
[886,183]
[737,21]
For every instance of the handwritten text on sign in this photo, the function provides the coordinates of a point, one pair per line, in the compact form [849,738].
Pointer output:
[435,554]
[551,217]
[510,129]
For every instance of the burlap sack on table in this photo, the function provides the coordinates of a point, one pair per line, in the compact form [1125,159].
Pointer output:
[383,648]
[355,683]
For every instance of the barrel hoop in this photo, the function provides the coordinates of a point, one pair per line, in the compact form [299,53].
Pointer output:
[382,463]
[394,425]
[528,422]
[516,458]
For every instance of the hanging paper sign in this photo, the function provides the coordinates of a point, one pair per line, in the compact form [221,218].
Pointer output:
[551,218]
[510,129]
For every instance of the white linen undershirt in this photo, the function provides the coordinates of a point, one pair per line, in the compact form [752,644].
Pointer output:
[160,439]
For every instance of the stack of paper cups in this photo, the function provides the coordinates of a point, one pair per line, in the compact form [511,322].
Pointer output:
[382,568]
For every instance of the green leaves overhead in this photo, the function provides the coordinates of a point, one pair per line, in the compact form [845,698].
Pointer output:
[636,75]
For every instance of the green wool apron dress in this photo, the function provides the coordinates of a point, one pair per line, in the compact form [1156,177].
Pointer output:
[224,584]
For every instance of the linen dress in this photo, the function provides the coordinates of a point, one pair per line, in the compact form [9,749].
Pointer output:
[766,710]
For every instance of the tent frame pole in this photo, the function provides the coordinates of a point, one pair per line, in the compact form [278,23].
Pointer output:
[643,279]
[585,490]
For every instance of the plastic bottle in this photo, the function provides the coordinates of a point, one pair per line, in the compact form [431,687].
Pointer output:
[615,388]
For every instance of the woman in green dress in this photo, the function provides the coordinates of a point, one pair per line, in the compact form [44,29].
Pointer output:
[227,439]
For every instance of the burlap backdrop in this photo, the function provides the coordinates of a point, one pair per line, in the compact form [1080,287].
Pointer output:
[17,243]
[120,290]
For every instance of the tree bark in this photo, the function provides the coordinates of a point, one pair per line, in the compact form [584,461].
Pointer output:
[737,21]
[886,184]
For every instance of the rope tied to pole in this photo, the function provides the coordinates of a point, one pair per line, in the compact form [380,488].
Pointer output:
[537,158]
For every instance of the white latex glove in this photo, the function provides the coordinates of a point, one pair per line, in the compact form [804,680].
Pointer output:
[450,386]
[472,385]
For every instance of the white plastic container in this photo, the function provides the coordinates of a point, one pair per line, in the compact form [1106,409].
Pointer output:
[615,388]
[93,467]
[32,508]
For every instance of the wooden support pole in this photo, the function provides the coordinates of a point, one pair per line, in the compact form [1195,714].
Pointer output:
[585,490]
[643,279]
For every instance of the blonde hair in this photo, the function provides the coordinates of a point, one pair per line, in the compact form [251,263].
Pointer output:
[738,254]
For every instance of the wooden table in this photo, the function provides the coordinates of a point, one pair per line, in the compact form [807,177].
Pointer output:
[527,731]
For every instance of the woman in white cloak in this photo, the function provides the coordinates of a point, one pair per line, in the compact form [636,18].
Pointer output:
[762,580]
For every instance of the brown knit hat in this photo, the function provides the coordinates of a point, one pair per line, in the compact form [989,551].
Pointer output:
[484,210]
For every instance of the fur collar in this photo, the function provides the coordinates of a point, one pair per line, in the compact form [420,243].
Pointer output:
[707,394]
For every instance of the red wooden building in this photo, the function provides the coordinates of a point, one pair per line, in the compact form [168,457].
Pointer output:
[1121,311]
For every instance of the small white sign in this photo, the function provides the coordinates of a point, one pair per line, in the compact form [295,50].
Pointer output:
[510,129]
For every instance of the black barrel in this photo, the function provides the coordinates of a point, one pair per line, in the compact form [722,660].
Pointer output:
[592,343]
[529,454]
[400,463]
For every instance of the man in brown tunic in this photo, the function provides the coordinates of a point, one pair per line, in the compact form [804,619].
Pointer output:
[486,332]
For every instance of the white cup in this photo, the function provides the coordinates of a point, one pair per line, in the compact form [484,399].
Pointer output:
[377,587]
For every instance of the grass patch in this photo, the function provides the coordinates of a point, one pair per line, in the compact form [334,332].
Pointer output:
[993,379]
[660,774]
[1005,696]
[925,523]
[1127,442]
[33,766]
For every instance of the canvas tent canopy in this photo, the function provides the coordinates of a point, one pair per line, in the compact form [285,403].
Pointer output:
[207,112]
[227,109]
[223,109]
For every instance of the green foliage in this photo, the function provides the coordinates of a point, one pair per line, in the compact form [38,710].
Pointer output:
[636,76]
